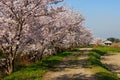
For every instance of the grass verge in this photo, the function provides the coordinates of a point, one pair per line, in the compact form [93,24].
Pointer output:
[36,71]
[108,49]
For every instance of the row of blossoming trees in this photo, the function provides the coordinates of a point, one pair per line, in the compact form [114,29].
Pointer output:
[36,25]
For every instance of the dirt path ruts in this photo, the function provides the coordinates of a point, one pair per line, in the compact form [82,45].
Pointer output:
[112,61]
[71,68]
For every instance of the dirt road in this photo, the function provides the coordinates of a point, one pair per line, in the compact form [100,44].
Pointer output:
[112,61]
[72,67]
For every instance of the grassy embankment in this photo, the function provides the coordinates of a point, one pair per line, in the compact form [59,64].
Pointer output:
[36,70]
[96,66]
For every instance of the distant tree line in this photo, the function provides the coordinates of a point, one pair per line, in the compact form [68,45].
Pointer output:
[112,39]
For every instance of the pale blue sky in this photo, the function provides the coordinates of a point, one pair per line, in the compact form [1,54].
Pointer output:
[102,16]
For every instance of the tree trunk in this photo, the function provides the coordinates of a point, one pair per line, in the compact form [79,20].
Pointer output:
[9,65]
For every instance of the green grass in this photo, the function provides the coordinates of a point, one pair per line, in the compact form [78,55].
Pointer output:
[36,71]
[107,76]
[94,58]
[102,72]
[108,49]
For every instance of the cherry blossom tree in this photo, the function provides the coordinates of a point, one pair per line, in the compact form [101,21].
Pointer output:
[65,30]
[17,17]
[36,25]
[76,34]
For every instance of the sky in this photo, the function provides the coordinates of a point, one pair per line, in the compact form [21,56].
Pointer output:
[101,16]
